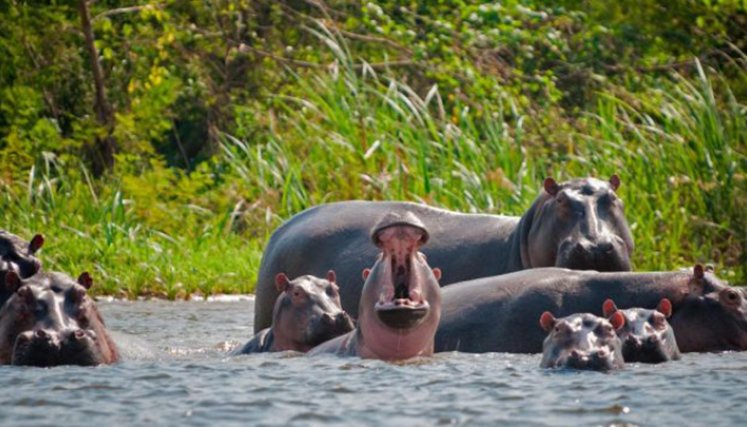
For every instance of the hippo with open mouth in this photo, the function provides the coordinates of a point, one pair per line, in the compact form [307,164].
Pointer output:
[50,320]
[579,224]
[582,341]
[400,304]
[307,313]
[646,336]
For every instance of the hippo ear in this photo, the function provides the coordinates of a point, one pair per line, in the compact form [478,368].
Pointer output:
[608,307]
[85,280]
[437,273]
[366,272]
[12,281]
[36,243]
[547,321]
[665,307]
[551,187]
[615,182]
[331,276]
[698,271]
[281,282]
[617,319]
[709,268]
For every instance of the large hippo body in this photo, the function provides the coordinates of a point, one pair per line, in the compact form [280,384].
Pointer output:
[577,224]
[499,314]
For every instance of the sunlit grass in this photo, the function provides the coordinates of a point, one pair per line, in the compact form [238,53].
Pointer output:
[352,133]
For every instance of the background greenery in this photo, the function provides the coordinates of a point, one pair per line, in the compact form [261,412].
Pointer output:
[228,117]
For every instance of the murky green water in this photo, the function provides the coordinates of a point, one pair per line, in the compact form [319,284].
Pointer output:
[177,373]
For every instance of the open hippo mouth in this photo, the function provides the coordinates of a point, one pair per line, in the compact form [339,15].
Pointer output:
[401,303]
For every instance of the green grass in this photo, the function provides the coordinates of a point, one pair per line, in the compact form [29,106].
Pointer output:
[680,149]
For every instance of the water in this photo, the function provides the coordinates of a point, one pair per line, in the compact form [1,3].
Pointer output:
[177,372]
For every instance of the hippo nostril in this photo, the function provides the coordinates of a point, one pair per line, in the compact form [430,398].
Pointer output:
[653,339]
[40,334]
[79,334]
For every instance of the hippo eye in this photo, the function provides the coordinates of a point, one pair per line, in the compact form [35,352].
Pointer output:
[657,321]
[332,291]
[731,296]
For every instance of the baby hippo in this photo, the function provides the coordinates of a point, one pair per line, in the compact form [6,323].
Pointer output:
[646,336]
[307,313]
[582,341]
[50,320]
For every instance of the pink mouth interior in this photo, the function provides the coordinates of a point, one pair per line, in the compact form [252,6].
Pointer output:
[400,243]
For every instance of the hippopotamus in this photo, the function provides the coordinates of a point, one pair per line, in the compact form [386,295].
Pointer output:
[578,224]
[401,300]
[582,341]
[307,313]
[498,314]
[646,336]
[17,255]
[50,320]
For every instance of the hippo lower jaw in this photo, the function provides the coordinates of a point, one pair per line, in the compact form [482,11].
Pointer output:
[402,313]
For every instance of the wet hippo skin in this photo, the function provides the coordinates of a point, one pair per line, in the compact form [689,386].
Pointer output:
[401,299]
[499,313]
[646,337]
[578,224]
[307,313]
[50,320]
[17,255]
[582,341]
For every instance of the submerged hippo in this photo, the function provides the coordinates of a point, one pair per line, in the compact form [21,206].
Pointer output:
[307,313]
[498,314]
[17,255]
[582,341]
[579,224]
[401,301]
[50,320]
[646,336]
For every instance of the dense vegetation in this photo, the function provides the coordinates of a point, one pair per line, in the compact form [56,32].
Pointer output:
[157,144]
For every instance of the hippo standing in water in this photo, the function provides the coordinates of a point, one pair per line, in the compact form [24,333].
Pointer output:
[646,336]
[499,314]
[17,255]
[401,300]
[582,341]
[50,320]
[307,313]
[578,224]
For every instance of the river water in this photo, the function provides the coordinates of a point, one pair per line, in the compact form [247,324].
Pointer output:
[176,372]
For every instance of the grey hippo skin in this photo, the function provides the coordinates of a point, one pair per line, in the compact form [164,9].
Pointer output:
[582,341]
[17,255]
[401,299]
[499,314]
[579,224]
[646,337]
[50,320]
[306,314]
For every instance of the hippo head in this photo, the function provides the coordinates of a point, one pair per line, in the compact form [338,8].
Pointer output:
[307,312]
[17,254]
[579,224]
[400,304]
[50,320]
[646,336]
[712,316]
[582,341]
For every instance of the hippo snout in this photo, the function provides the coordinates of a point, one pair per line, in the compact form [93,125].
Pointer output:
[38,347]
[607,253]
